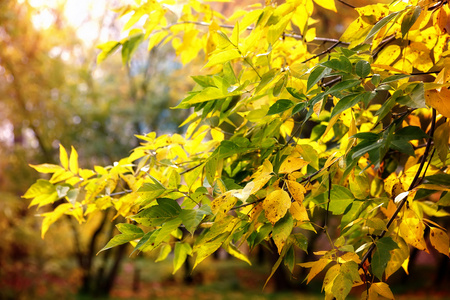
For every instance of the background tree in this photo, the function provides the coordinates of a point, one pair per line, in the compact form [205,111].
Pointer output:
[53,93]
[371,174]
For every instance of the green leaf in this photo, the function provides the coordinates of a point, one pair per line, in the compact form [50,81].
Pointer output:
[380,24]
[362,68]
[394,78]
[440,179]
[347,84]
[122,239]
[409,19]
[316,75]
[415,96]
[342,64]
[280,85]
[129,229]
[366,136]
[166,229]
[191,218]
[280,106]
[130,45]
[294,93]
[182,250]
[365,147]
[410,133]
[150,191]
[289,259]
[345,103]
[340,196]
[166,210]
[402,146]
[381,256]
[299,240]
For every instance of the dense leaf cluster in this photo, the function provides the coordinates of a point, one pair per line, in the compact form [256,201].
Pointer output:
[279,135]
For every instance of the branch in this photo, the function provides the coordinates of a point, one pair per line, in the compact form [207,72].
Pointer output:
[347,4]
[323,52]
[412,186]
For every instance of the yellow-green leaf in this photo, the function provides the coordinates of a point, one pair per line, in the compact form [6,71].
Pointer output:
[222,204]
[222,57]
[281,232]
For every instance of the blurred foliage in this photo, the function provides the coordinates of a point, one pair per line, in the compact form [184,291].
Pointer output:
[51,93]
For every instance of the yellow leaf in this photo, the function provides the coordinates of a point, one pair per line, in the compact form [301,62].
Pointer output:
[73,163]
[298,212]
[222,204]
[310,35]
[327,4]
[262,176]
[297,190]
[387,56]
[63,157]
[316,267]
[349,256]
[291,164]
[411,230]
[52,217]
[439,240]
[217,134]
[47,168]
[382,289]
[276,205]
[439,101]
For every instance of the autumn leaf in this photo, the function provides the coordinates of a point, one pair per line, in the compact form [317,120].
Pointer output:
[291,164]
[276,205]
[439,239]
[439,101]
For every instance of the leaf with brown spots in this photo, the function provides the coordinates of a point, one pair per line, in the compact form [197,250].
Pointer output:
[276,205]
[439,240]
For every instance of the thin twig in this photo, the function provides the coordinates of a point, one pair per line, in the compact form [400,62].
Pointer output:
[412,186]
[323,52]
[347,4]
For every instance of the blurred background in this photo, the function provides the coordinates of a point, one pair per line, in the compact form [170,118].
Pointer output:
[52,92]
